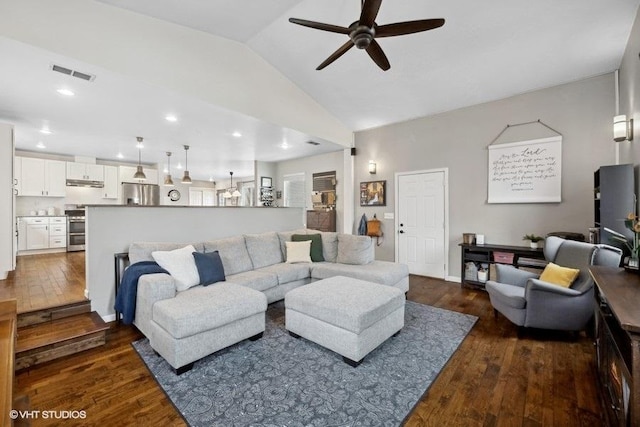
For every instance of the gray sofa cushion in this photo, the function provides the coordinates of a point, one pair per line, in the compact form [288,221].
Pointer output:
[288,272]
[264,249]
[233,253]
[383,272]
[258,280]
[141,251]
[355,250]
[329,245]
[204,308]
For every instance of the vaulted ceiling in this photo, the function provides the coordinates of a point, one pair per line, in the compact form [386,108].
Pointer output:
[485,51]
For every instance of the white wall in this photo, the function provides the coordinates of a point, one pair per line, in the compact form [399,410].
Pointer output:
[110,230]
[316,164]
[6,200]
[582,111]
[171,56]
[630,98]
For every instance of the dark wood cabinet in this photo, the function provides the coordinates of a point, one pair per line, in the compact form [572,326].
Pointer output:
[321,220]
[617,343]
[518,256]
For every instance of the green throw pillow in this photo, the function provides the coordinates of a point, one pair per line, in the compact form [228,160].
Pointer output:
[316,244]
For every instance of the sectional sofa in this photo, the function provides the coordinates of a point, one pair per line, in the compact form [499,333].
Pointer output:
[180,324]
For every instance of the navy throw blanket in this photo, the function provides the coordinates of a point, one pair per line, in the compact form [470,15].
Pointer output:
[128,291]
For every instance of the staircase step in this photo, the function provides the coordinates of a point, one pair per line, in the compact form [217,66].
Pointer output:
[43,315]
[58,338]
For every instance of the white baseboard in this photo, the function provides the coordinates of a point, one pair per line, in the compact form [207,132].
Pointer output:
[455,279]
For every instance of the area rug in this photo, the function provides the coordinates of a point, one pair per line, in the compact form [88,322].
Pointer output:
[282,381]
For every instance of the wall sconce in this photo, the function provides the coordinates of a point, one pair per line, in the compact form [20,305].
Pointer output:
[622,128]
[372,167]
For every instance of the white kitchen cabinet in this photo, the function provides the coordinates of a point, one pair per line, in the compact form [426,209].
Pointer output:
[42,233]
[110,190]
[85,171]
[41,177]
[37,233]
[126,175]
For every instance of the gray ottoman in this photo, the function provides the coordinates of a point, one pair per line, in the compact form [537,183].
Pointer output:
[349,316]
[203,320]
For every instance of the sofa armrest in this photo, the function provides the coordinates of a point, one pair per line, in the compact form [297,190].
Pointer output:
[513,276]
[151,289]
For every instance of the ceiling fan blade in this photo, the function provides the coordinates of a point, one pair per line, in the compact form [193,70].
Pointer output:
[375,52]
[320,26]
[337,54]
[369,12]
[409,27]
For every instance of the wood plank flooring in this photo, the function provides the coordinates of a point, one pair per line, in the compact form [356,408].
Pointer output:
[494,379]
[47,280]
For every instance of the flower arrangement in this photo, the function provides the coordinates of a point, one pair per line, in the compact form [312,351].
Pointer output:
[632,223]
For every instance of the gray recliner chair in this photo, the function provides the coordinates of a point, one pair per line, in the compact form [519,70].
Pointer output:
[527,301]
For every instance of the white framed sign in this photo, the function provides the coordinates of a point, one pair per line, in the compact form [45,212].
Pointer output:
[526,171]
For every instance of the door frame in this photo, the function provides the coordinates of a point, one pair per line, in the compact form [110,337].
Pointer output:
[446,212]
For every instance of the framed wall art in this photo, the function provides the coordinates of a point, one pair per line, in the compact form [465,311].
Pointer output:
[373,193]
[265,181]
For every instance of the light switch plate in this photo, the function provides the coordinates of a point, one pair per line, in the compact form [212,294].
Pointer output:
[388,215]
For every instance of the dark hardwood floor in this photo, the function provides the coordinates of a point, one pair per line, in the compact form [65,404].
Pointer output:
[494,379]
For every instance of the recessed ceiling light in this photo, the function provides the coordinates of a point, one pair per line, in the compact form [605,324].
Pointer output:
[120,156]
[179,166]
[210,179]
[171,118]
[284,145]
[236,134]
[41,145]
[65,92]
[45,131]
[165,170]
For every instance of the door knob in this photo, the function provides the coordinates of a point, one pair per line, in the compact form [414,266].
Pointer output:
[401,231]
[401,225]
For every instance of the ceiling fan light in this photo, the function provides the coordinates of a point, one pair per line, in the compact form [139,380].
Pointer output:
[139,174]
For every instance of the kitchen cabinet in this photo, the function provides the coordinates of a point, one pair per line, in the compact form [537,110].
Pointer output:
[41,177]
[126,175]
[110,190]
[42,233]
[85,171]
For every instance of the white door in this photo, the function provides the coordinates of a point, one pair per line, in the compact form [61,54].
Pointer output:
[421,223]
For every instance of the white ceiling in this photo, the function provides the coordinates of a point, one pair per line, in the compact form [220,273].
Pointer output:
[485,51]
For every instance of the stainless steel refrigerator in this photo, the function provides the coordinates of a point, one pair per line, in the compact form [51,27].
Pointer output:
[140,194]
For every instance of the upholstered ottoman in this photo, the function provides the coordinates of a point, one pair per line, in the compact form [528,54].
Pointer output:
[349,316]
[205,319]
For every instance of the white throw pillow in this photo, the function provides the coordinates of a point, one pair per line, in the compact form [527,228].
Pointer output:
[180,265]
[298,251]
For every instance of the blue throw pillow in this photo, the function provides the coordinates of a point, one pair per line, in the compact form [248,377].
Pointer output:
[209,267]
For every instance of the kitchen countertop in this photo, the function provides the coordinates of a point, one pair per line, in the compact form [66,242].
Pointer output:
[41,216]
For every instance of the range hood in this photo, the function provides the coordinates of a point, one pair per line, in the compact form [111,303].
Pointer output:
[84,183]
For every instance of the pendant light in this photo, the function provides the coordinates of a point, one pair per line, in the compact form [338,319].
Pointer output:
[186,179]
[139,173]
[231,191]
[168,182]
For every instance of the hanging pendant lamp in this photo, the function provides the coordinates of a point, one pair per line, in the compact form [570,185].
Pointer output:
[186,179]
[168,182]
[231,191]
[139,172]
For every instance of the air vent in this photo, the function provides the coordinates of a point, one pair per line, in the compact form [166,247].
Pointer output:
[69,72]
[313,143]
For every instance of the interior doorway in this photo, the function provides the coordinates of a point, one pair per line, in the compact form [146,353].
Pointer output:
[422,221]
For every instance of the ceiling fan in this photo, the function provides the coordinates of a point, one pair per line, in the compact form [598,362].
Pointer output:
[363,32]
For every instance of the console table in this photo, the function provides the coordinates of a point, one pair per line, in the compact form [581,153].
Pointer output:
[518,256]
[617,335]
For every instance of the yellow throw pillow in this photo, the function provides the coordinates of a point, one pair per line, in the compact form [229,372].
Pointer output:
[561,276]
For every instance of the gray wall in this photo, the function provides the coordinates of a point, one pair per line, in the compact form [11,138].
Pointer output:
[582,111]
[630,97]
[315,164]
[110,229]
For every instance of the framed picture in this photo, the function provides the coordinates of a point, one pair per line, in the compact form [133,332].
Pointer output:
[265,181]
[373,193]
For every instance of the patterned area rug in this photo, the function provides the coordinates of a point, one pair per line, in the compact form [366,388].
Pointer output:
[282,381]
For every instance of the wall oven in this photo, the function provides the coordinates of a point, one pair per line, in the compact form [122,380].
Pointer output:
[75,229]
